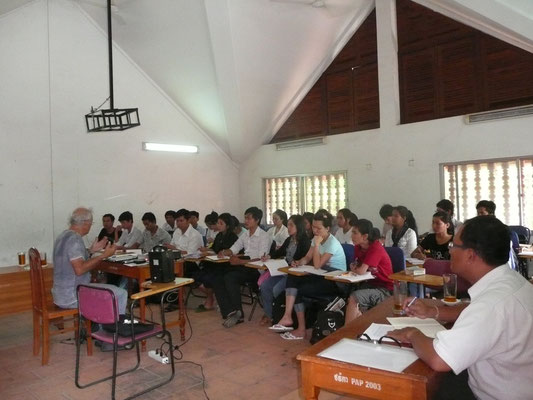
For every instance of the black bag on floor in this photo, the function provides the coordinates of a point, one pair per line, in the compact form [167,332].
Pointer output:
[326,323]
[125,329]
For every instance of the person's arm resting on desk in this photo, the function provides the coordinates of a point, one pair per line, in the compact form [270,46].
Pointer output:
[81,266]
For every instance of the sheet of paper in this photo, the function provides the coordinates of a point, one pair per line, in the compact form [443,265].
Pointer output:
[273,266]
[216,258]
[348,276]
[386,357]
[135,264]
[428,326]
[309,269]
[376,331]
[414,261]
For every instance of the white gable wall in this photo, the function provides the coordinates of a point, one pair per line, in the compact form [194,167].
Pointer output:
[50,164]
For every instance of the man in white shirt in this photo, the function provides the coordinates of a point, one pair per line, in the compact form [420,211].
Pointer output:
[491,337]
[186,239]
[256,244]
[131,237]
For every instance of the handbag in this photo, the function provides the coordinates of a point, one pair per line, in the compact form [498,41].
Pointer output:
[328,320]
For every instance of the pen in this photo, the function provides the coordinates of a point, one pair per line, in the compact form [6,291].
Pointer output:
[411,302]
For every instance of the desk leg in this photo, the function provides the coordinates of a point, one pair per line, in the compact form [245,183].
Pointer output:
[142,310]
[421,291]
[181,313]
[309,390]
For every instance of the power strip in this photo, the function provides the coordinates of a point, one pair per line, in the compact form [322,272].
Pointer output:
[158,357]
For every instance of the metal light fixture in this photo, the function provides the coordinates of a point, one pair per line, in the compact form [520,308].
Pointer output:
[112,119]
[177,148]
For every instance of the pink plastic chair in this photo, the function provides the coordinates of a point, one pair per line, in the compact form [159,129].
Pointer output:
[440,267]
[99,305]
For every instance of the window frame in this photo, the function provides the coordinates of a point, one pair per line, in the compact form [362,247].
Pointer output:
[303,191]
[516,159]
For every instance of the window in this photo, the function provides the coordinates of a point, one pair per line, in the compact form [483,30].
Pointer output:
[300,193]
[507,182]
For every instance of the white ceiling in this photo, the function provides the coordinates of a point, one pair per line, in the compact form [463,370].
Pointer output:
[238,68]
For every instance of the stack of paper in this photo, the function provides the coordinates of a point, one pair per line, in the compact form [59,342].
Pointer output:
[272,265]
[428,326]
[310,270]
[386,357]
[216,258]
[414,261]
[352,277]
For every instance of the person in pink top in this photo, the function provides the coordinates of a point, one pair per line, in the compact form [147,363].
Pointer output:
[370,255]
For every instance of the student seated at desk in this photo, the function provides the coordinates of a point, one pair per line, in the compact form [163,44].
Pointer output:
[370,255]
[238,228]
[131,236]
[153,235]
[170,222]
[279,232]
[308,217]
[385,212]
[193,220]
[108,230]
[435,245]
[224,239]
[344,219]
[293,248]
[211,222]
[491,338]
[403,233]
[325,252]
[256,243]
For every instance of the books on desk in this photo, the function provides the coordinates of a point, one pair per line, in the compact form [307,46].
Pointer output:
[216,258]
[273,266]
[353,277]
[309,269]
[427,326]
[386,357]
[122,257]
[414,261]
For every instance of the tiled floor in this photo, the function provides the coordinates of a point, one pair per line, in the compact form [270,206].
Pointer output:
[244,362]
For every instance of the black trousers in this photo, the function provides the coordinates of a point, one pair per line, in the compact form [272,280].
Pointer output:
[227,286]
[455,387]
[311,286]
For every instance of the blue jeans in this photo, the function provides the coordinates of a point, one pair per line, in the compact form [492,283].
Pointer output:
[270,289]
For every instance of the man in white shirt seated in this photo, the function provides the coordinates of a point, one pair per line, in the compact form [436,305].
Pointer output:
[491,337]
[193,220]
[186,239]
[131,236]
[170,225]
[153,235]
[256,244]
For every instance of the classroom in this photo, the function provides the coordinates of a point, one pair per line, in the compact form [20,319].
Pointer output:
[260,88]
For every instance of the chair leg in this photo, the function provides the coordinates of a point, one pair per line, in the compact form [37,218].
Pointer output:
[46,342]
[89,337]
[36,333]
[60,324]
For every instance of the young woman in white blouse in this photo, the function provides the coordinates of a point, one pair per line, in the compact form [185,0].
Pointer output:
[404,231]
[344,233]
[279,232]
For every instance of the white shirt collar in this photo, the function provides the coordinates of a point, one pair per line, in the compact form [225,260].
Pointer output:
[479,287]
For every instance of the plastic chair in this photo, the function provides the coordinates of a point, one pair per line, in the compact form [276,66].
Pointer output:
[440,267]
[349,252]
[397,258]
[99,305]
[43,313]
[524,234]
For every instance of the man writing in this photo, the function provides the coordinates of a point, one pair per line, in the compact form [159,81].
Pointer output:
[152,235]
[72,264]
[491,337]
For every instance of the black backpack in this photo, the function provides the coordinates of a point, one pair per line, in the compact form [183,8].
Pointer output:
[326,323]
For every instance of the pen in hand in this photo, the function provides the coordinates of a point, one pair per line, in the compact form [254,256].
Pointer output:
[411,302]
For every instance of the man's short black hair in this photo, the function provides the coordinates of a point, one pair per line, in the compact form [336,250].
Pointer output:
[183,213]
[488,205]
[256,213]
[194,214]
[488,237]
[109,216]
[171,212]
[385,211]
[446,205]
[149,216]
[126,216]
[211,218]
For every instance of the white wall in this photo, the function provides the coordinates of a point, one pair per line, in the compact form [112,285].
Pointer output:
[377,160]
[50,164]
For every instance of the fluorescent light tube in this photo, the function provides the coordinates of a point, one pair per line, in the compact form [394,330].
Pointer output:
[177,148]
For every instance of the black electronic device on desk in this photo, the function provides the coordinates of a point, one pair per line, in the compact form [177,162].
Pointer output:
[161,264]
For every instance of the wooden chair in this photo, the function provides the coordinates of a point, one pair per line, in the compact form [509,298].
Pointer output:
[44,314]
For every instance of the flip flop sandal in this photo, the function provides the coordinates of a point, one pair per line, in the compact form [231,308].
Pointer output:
[290,336]
[280,328]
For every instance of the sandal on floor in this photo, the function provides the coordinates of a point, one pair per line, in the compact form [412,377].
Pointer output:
[280,328]
[290,336]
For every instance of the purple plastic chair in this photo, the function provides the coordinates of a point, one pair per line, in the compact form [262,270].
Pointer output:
[99,305]
[440,267]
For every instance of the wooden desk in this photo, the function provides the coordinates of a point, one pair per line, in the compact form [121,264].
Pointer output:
[420,280]
[295,273]
[417,381]
[15,288]
[142,274]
